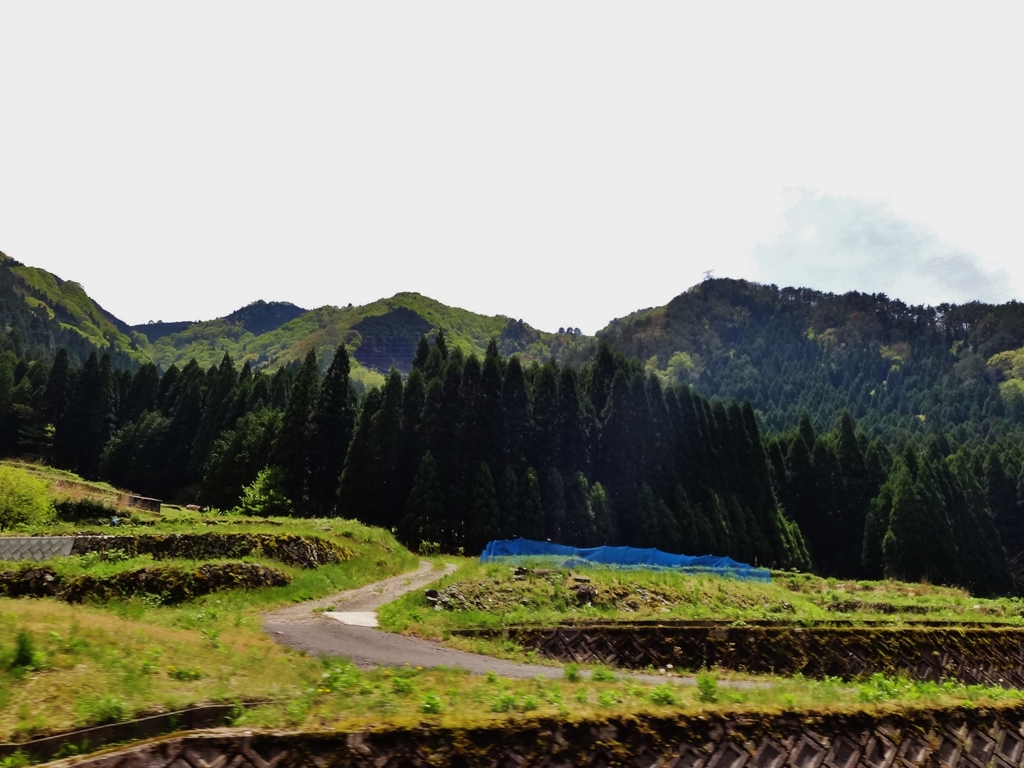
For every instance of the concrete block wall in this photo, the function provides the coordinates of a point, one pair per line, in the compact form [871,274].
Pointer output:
[14,548]
[921,739]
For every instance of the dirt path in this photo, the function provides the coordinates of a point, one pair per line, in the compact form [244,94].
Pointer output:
[297,626]
[367,598]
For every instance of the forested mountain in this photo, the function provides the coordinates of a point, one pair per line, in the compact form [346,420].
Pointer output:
[40,313]
[378,335]
[899,369]
[257,318]
[45,312]
[785,427]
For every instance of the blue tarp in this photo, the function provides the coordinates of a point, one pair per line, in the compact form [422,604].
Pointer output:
[623,557]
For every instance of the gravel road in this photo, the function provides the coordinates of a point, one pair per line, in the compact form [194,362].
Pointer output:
[297,626]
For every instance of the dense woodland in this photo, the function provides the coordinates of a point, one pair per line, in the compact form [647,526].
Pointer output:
[901,370]
[852,434]
[463,450]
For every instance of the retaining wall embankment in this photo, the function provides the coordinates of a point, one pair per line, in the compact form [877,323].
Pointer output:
[937,738]
[970,654]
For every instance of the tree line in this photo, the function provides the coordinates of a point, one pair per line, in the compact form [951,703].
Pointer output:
[464,450]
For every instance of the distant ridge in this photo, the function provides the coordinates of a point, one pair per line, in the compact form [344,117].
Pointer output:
[45,312]
[258,318]
[898,368]
[264,316]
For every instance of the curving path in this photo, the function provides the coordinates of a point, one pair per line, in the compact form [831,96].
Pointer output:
[297,626]
[323,633]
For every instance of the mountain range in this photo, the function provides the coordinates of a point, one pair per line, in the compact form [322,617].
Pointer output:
[788,350]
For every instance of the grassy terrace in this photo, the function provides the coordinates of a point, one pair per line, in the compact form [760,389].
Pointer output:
[92,664]
[492,595]
[65,666]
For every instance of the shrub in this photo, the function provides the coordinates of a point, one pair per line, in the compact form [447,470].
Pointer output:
[265,496]
[178,673]
[663,694]
[429,549]
[707,688]
[343,677]
[602,675]
[24,499]
[503,702]
[105,709]
[24,651]
[403,686]
[431,704]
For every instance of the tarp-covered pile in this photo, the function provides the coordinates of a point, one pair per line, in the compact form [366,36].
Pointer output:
[521,550]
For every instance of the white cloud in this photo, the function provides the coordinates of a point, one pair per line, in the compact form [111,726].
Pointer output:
[864,246]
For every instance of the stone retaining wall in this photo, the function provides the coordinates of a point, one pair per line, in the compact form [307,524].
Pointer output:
[303,551]
[994,656]
[939,739]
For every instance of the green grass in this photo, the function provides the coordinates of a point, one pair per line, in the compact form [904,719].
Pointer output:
[66,666]
[92,664]
[133,657]
[64,484]
[495,597]
[325,328]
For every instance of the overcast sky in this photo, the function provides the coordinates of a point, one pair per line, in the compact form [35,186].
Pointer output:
[562,162]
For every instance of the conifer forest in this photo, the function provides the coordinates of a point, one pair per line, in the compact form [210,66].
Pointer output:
[849,435]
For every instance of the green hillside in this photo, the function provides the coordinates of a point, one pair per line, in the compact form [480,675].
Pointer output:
[378,336]
[45,312]
[900,369]
[258,317]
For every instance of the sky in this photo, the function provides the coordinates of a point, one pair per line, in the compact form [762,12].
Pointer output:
[562,162]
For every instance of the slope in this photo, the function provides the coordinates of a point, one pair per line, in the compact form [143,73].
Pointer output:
[45,312]
[898,368]
[257,318]
[378,335]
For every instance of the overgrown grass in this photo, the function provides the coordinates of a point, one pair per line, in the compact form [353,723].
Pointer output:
[65,666]
[492,596]
[347,697]
[125,658]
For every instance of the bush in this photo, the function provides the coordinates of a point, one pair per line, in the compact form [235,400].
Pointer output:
[707,689]
[602,675]
[104,709]
[24,652]
[503,702]
[24,499]
[265,496]
[431,704]
[663,694]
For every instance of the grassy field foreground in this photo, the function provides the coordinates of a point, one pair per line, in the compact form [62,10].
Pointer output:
[67,666]
[494,595]
[89,665]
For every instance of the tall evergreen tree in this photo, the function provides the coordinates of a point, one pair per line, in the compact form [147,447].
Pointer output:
[292,452]
[554,506]
[332,429]
[580,527]
[484,515]
[359,474]
[530,520]
[424,511]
